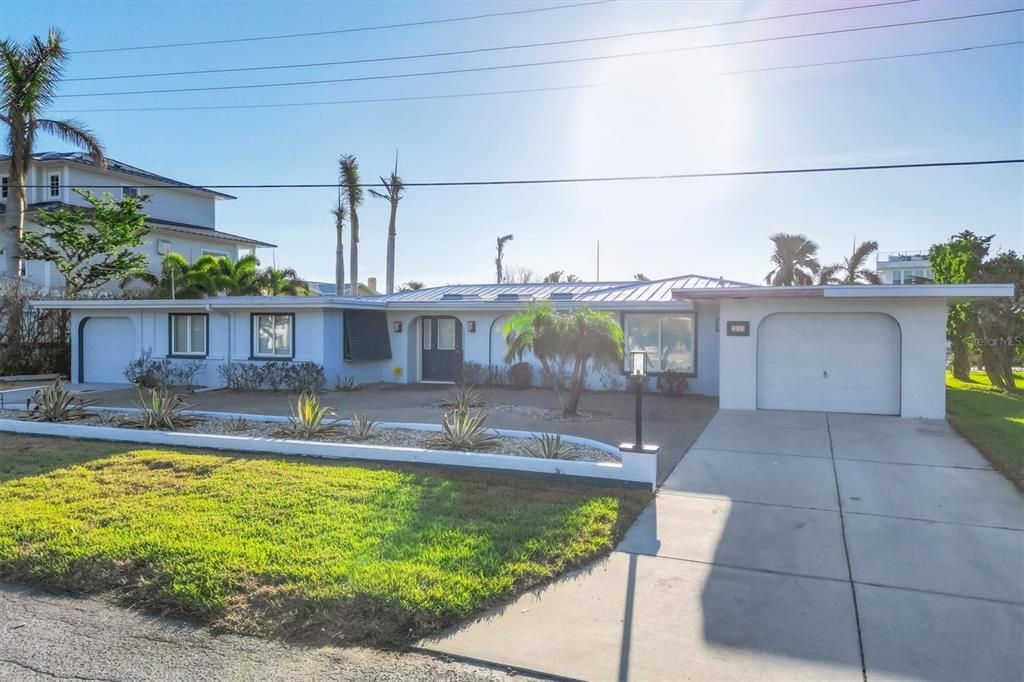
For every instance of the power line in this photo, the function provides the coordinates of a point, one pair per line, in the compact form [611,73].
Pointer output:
[555,88]
[500,67]
[380,27]
[562,181]
[479,50]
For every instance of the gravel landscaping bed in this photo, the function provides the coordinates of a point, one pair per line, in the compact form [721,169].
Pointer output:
[393,437]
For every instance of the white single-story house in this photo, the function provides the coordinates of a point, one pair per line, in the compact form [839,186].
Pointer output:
[877,349]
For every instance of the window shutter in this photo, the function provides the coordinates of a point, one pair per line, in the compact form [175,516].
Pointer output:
[366,335]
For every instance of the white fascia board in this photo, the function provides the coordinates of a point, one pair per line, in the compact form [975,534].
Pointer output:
[220,302]
[961,291]
[489,305]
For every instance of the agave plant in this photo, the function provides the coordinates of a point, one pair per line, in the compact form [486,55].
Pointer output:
[55,403]
[162,409]
[463,399]
[462,430]
[237,425]
[362,427]
[549,446]
[309,419]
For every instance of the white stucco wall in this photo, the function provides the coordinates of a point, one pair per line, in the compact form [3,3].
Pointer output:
[922,325]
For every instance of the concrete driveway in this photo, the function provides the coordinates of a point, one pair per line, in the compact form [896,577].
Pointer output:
[792,546]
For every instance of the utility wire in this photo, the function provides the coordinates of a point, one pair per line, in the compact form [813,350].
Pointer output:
[381,27]
[562,181]
[554,88]
[576,60]
[498,48]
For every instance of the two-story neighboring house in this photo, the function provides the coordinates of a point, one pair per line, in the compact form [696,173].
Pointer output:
[903,267]
[182,217]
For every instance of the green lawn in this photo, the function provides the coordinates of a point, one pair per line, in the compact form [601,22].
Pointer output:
[992,421]
[301,549]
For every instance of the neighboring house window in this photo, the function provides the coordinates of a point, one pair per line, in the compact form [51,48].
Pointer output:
[129,192]
[54,185]
[189,334]
[669,340]
[273,335]
[215,254]
[3,187]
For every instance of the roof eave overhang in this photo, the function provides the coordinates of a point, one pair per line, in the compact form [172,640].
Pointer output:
[878,291]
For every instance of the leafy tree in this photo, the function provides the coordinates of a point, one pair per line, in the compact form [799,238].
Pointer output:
[393,192]
[795,261]
[282,282]
[957,262]
[641,277]
[339,214]
[411,285]
[852,270]
[519,275]
[29,77]
[557,276]
[348,177]
[499,272]
[91,246]
[581,338]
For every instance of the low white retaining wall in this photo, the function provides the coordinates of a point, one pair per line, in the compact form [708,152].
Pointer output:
[632,468]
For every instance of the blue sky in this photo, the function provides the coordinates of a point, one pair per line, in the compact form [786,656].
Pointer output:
[664,114]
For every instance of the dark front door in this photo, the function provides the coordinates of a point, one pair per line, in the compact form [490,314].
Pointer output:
[441,348]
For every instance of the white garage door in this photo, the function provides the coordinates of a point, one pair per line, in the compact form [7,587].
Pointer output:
[829,362]
[108,345]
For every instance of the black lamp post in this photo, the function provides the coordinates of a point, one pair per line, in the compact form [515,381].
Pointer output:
[638,373]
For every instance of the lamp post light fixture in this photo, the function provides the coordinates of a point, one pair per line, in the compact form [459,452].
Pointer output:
[638,373]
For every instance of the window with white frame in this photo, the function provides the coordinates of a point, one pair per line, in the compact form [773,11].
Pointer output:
[189,334]
[668,339]
[54,184]
[273,335]
[132,192]
[3,187]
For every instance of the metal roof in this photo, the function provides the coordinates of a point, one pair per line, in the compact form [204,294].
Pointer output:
[119,167]
[583,292]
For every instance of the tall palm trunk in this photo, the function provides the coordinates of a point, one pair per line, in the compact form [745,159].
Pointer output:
[392,236]
[339,248]
[354,250]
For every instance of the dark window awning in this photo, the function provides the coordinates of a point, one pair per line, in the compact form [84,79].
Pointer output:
[366,335]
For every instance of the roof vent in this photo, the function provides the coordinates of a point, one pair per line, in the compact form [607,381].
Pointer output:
[508,297]
[460,297]
[562,296]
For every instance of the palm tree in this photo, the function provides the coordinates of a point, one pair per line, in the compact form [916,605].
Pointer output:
[282,282]
[209,276]
[795,261]
[339,250]
[348,177]
[580,338]
[393,190]
[852,268]
[501,255]
[29,76]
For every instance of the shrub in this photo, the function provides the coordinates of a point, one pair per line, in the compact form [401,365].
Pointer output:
[461,430]
[241,376]
[145,372]
[472,374]
[549,446]
[162,409]
[497,376]
[362,427]
[463,398]
[237,425]
[184,373]
[55,403]
[347,385]
[671,382]
[274,375]
[305,377]
[32,341]
[520,375]
[309,419]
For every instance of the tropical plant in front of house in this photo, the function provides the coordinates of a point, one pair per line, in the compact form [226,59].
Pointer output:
[209,276]
[29,77]
[161,409]
[463,430]
[853,269]
[549,446]
[282,282]
[55,403]
[362,427]
[581,339]
[463,398]
[794,259]
[309,419]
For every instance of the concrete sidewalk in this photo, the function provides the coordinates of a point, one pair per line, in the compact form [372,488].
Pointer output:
[792,546]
